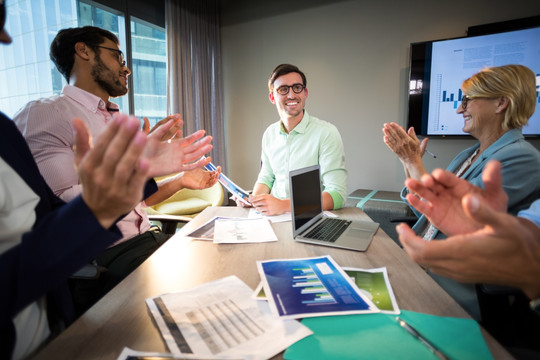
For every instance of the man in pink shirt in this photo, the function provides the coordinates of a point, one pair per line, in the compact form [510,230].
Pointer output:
[94,67]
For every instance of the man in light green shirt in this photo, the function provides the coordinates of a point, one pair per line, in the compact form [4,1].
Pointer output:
[296,141]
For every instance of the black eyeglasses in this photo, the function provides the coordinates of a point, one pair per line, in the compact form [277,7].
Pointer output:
[121,58]
[465,100]
[296,88]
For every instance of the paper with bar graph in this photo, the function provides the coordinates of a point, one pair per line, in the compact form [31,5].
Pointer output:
[297,288]
[220,318]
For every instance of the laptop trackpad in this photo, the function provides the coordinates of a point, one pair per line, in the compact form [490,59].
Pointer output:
[356,233]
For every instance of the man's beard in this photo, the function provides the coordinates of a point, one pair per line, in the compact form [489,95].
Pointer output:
[106,79]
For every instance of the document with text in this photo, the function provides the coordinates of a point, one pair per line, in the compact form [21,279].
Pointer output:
[130,354]
[373,283]
[221,318]
[318,286]
[242,231]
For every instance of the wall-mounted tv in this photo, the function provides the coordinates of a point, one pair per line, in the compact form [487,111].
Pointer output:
[437,69]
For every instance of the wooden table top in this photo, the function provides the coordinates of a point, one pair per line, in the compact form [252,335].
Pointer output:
[121,318]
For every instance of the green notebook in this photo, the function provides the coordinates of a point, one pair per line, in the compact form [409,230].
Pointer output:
[378,336]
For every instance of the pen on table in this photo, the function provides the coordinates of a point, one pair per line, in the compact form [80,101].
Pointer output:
[430,153]
[438,353]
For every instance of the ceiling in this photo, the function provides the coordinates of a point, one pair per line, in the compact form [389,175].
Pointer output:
[239,11]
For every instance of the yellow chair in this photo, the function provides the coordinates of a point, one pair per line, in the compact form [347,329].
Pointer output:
[184,205]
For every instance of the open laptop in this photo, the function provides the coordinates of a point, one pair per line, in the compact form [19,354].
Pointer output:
[308,217]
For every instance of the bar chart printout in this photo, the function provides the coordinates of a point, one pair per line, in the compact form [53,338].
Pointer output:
[312,287]
[297,288]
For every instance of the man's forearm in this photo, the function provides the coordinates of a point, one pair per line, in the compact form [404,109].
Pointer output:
[260,188]
[166,189]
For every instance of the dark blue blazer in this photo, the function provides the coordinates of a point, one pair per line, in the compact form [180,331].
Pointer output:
[64,237]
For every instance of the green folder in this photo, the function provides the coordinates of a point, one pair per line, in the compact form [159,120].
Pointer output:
[379,336]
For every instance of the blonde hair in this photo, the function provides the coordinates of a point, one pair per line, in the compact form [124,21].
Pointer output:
[515,82]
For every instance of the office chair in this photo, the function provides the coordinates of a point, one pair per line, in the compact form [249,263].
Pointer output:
[184,206]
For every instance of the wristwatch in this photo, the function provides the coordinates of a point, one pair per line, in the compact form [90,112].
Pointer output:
[535,305]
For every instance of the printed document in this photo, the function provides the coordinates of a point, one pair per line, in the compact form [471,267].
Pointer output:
[254,214]
[374,283]
[234,189]
[206,230]
[221,318]
[242,231]
[298,288]
[130,354]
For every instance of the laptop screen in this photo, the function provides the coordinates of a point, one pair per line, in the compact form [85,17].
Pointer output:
[305,189]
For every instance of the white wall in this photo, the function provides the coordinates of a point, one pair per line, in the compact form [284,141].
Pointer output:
[355,55]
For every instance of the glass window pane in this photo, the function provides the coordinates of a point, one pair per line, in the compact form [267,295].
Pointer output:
[25,63]
[33,24]
[149,56]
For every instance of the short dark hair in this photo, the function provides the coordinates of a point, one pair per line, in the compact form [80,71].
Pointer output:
[284,69]
[62,49]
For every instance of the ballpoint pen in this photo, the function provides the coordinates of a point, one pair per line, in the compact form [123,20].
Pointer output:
[438,353]
[430,153]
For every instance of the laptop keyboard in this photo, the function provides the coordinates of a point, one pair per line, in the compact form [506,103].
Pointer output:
[328,230]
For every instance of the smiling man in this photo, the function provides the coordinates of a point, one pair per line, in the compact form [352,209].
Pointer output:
[90,60]
[297,140]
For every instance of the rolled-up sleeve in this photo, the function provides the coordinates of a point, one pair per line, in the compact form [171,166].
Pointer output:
[266,174]
[332,163]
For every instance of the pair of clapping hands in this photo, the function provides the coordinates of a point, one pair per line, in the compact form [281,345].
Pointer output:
[485,244]
[123,158]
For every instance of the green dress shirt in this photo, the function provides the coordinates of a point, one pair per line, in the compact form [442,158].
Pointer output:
[312,141]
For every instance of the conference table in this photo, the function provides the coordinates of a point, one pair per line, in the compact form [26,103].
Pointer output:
[121,319]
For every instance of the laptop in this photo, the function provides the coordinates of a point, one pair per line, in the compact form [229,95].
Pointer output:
[311,225]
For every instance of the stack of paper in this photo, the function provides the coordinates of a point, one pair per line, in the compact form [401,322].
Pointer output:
[298,288]
[225,230]
[221,318]
[241,231]
[315,288]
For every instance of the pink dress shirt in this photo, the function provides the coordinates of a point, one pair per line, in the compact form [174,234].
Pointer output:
[46,124]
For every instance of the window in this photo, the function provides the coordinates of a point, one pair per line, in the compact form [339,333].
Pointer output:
[32,25]
[36,22]
[149,70]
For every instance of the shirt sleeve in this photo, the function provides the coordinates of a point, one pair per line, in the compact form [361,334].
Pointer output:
[532,214]
[51,140]
[520,168]
[266,174]
[332,163]
[55,248]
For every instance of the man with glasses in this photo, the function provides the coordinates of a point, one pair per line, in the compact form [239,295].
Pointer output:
[43,240]
[297,140]
[90,60]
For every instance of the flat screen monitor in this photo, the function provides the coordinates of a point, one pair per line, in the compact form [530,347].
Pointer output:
[437,69]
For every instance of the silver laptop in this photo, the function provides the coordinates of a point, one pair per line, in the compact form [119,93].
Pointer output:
[311,225]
